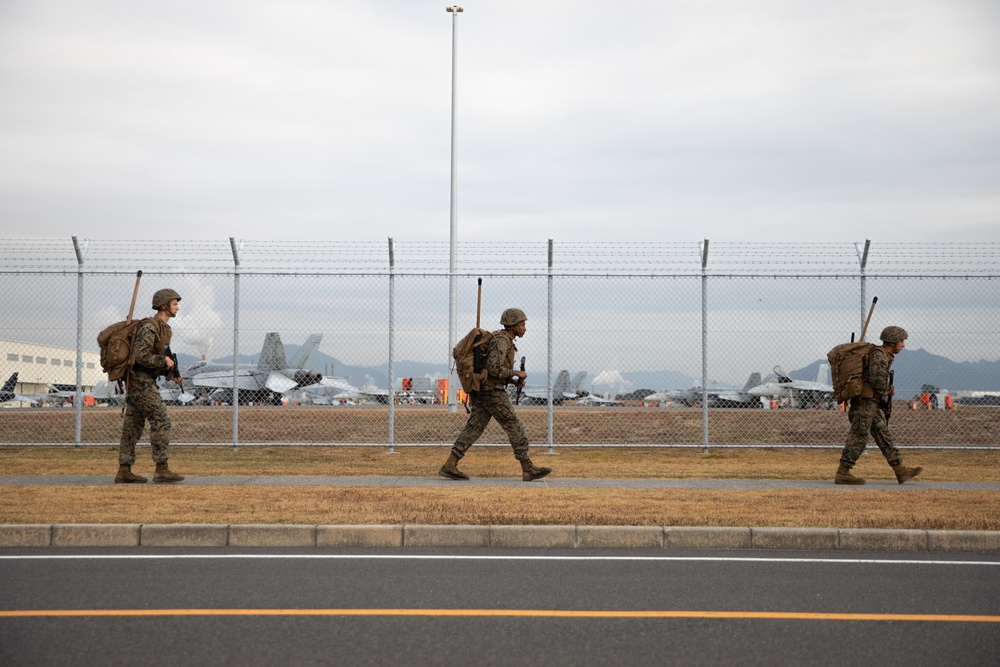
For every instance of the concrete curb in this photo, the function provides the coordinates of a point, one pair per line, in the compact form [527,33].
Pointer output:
[535,537]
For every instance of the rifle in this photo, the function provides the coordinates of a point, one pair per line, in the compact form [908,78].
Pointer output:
[479,301]
[869,319]
[520,386]
[885,403]
[477,352]
[135,293]
[121,387]
[174,372]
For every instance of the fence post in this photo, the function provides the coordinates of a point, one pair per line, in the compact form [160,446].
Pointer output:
[81,254]
[863,261]
[236,339]
[548,353]
[704,346]
[392,345]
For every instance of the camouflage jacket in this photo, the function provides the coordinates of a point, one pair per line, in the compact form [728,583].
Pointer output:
[500,360]
[151,341]
[877,383]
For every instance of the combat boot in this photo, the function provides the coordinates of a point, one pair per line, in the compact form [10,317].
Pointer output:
[164,474]
[126,476]
[844,476]
[530,473]
[450,469]
[904,474]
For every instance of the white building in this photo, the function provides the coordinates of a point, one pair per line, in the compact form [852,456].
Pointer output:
[40,366]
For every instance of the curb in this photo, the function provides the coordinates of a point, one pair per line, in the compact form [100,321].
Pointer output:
[497,537]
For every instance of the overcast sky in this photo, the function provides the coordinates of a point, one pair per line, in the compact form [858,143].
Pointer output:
[638,120]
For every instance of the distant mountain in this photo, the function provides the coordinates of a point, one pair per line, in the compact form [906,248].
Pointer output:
[186,360]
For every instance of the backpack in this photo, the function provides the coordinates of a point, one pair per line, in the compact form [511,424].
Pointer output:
[117,353]
[848,367]
[470,359]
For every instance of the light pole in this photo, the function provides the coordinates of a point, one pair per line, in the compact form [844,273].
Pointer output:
[454,10]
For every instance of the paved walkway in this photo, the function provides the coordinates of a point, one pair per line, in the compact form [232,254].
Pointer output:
[552,482]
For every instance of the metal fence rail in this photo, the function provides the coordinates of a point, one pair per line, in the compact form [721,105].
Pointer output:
[670,339]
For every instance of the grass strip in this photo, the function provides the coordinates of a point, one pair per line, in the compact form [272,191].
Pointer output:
[536,505]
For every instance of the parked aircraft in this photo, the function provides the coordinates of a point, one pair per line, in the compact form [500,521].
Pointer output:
[668,396]
[367,393]
[714,397]
[328,391]
[563,389]
[107,392]
[7,392]
[57,393]
[265,382]
[594,399]
[797,393]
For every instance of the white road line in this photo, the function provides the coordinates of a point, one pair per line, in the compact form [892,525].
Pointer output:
[701,559]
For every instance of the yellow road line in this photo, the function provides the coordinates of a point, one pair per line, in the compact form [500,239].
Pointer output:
[519,613]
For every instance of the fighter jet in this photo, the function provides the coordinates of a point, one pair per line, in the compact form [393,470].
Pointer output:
[562,389]
[368,393]
[330,390]
[7,392]
[594,399]
[715,397]
[797,393]
[265,382]
[56,394]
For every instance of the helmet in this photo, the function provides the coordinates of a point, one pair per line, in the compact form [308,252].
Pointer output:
[893,334]
[512,316]
[163,296]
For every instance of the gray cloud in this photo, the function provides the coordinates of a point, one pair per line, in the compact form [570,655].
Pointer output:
[576,120]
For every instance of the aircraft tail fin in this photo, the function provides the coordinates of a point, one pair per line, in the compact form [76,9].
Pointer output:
[561,384]
[272,354]
[304,354]
[753,381]
[576,384]
[823,374]
[8,386]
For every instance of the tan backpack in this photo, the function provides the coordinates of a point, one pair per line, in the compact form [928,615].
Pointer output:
[470,359]
[117,343]
[849,368]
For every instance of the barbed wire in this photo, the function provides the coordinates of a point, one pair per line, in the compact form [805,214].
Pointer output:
[512,258]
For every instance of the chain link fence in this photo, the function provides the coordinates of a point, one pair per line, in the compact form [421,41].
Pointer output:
[628,344]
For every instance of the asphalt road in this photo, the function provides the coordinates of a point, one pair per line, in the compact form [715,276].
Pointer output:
[497,607]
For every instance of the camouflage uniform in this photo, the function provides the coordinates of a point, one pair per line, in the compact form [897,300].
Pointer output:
[866,415]
[492,401]
[143,401]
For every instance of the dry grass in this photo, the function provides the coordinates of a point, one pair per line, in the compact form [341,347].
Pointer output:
[536,503]
[435,425]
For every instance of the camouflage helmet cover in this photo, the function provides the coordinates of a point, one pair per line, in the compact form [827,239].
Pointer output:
[893,334]
[512,316]
[162,297]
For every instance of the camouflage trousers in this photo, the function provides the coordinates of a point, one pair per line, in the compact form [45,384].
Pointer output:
[866,417]
[486,405]
[143,402]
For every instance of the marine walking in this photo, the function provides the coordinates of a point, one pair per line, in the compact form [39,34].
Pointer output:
[492,402]
[142,398]
[869,412]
